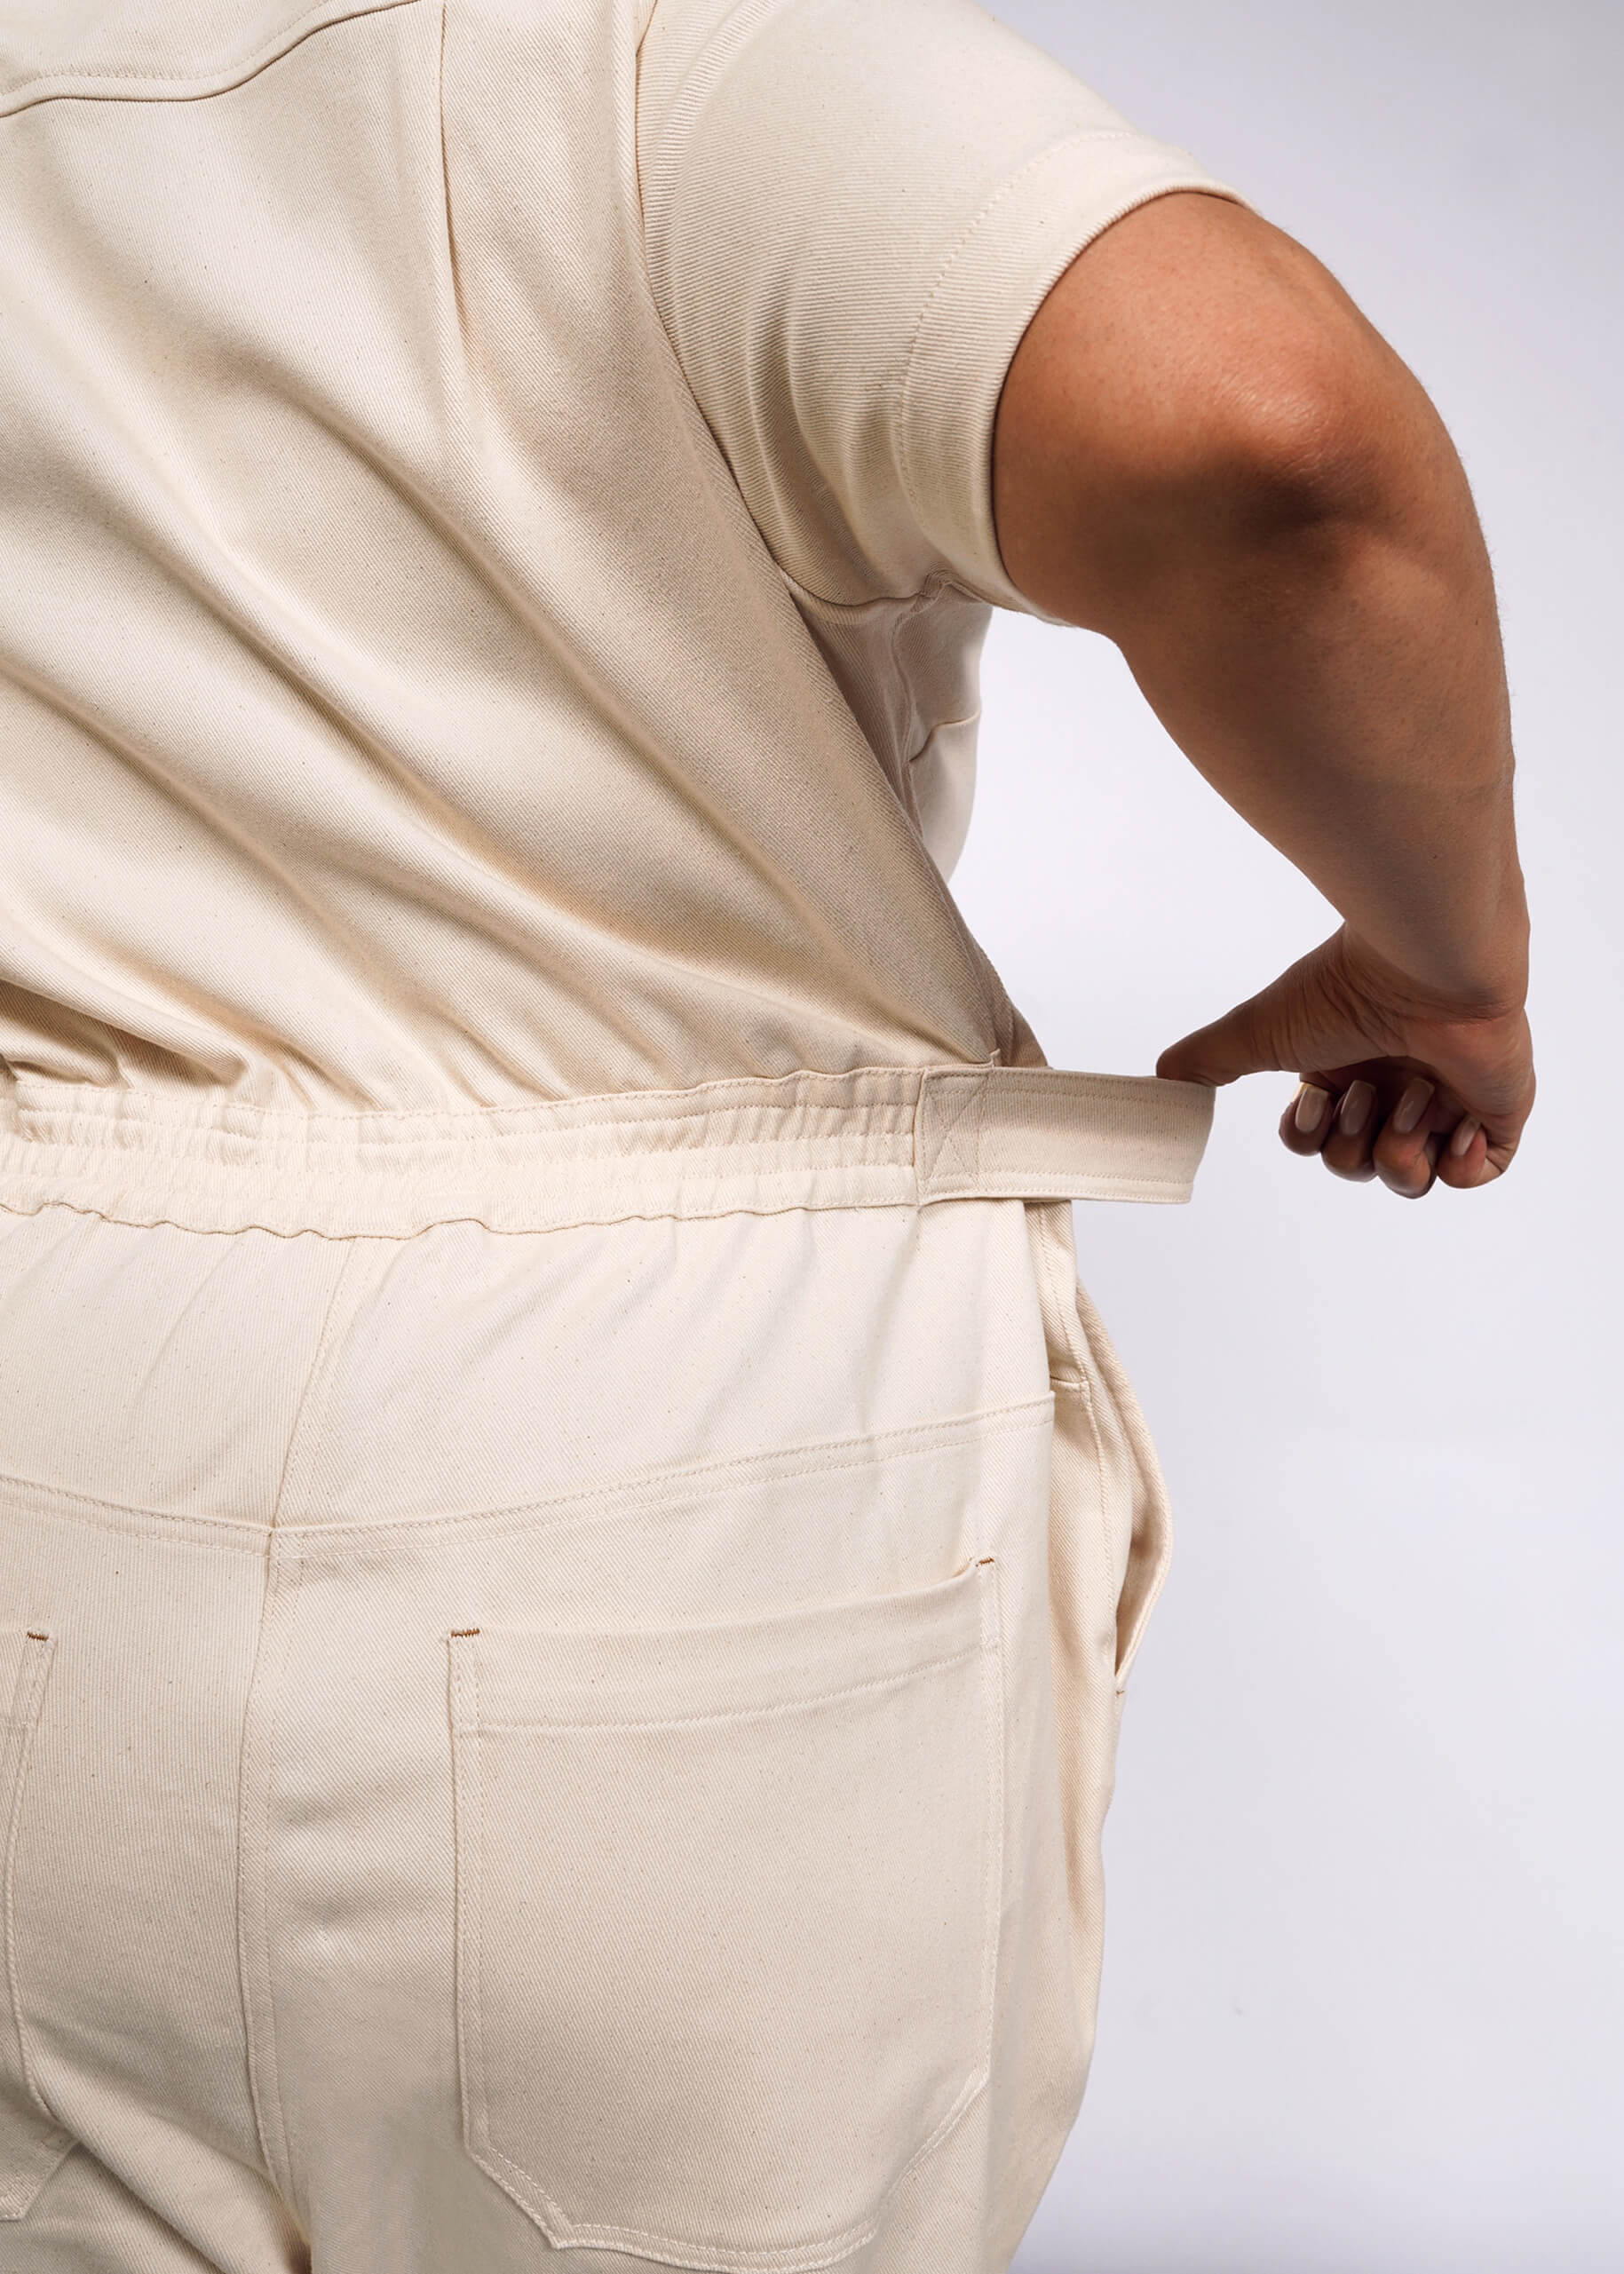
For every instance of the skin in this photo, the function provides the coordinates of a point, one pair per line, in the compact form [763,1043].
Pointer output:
[1205,452]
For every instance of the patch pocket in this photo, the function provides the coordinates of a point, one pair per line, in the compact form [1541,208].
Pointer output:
[32,2143]
[728,1903]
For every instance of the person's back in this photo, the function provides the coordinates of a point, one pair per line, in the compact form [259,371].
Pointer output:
[377,586]
[570,1549]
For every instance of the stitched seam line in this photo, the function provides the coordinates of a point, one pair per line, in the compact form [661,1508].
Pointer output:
[937,579]
[521,1231]
[255,1772]
[954,255]
[84,1508]
[108,85]
[696,1487]
[26,1704]
[544,1724]
[645,1490]
[468,1928]
[688,1103]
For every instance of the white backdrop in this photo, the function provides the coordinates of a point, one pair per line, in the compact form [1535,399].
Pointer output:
[1364,1998]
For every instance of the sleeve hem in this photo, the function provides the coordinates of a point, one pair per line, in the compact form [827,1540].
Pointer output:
[990,287]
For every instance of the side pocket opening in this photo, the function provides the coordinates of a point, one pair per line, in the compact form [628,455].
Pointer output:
[727,1911]
[1099,1424]
[32,2143]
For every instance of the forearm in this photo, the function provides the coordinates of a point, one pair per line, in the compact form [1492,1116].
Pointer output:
[1206,451]
[1340,684]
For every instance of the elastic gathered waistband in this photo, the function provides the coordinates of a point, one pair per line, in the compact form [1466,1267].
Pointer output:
[881,1137]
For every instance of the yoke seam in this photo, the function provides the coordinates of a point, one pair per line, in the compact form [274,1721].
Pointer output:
[107,84]
[676,1488]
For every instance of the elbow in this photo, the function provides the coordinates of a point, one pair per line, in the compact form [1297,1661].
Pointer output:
[1329,436]
[1197,395]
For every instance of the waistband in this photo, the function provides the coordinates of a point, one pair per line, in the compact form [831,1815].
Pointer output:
[881,1137]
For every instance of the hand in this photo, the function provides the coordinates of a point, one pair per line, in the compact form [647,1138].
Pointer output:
[1397,1081]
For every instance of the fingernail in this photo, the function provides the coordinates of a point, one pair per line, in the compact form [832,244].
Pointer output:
[1412,1106]
[1312,1103]
[1461,1143]
[1356,1107]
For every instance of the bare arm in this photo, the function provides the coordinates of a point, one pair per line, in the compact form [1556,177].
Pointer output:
[1205,452]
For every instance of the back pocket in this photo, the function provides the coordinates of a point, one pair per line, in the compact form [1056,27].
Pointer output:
[727,1911]
[32,2143]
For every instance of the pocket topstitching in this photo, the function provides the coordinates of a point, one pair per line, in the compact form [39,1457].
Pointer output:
[32,2143]
[728,1903]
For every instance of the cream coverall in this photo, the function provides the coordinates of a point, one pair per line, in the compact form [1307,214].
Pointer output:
[568,1544]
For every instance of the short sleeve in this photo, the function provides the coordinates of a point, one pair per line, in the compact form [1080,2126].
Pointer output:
[852,208]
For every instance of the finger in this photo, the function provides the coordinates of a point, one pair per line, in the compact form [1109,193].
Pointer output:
[1465,1155]
[1306,1121]
[1406,1149]
[1347,1150]
[1484,1162]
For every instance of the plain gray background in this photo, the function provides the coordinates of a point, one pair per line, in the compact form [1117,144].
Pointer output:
[1364,1998]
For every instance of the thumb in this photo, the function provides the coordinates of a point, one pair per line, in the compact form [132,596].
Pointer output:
[1309,1018]
[1232,1046]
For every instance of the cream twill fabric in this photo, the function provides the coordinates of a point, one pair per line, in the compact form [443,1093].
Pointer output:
[569,1544]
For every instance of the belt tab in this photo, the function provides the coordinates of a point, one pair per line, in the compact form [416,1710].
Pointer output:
[1043,1133]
